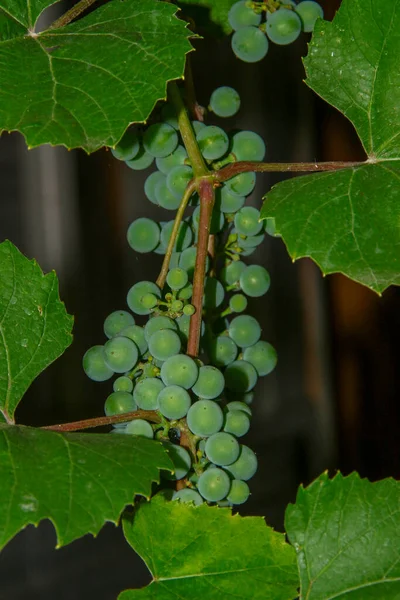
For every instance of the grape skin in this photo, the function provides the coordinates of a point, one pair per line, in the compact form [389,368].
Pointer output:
[121,354]
[177,278]
[139,427]
[244,330]
[137,292]
[188,495]
[174,402]
[146,393]
[283,26]
[119,403]
[180,370]
[262,356]
[213,142]
[247,221]
[137,335]
[150,185]
[156,323]
[309,12]
[178,157]
[255,281]
[181,460]
[123,384]
[222,449]
[247,145]
[95,366]
[223,351]
[245,466]
[240,376]
[249,44]
[160,140]
[128,147]
[238,303]
[165,198]
[241,15]
[184,238]
[242,184]
[225,101]
[237,423]
[231,273]
[143,235]
[239,492]
[164,343]
[142,161]
[214,484]
[205,418]
[210,383]
[116,322]
[227,201]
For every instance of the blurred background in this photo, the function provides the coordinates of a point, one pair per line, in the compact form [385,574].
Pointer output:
[331,403]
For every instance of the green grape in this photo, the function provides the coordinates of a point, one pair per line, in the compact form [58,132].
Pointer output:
[138,292]
[177,306]
[119,403]
[270,227]
[140,427]
[187,260]
[181,460]
[198,126]
[210,383]
[239,492]
[178,157]
[262,356]
[117,321]
[165,198]
[247,145]
[121,354]
[242,184]
[217,220]
[146,393]
[214,484]
[309,12]
[128,146]
[174,402]
[184,238]
[245,466]
[222,351]
[189,310]
[251,241]
[248,251]
[180,370]
[239,405]
[151,183]
[205,418]
[177,278]
[283,26]
[222,449]
[95,366]
[188,495]
[249,44]
[142,160]
[174,262]
[214,293]
[255,281]
[168,114]
[238,303]
[229,202]
[244,330]
[156,323]
[160,140]
[164,343]
[186,292]
[237,423]
[225,101]
[213,142]
[123,384]
[240,376]
[183,323]
[149,300]
[247,221]
[232,272]
[178,179]
[136,334]
[118,428]
[143,235]
[242,15]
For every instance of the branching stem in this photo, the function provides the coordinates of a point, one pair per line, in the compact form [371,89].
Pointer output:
[72,14]
[148,415]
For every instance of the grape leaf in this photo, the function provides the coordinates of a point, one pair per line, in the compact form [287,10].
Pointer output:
[81,85]
[346,533]
[218,12]
[205,552]
[78,481]
[34,326]
[349,221]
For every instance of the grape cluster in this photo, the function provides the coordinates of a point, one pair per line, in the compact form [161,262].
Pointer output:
[284,21]
[205,400]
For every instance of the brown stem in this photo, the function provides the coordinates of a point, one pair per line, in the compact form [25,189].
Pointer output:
[72,14]
[207,197]
[148,415]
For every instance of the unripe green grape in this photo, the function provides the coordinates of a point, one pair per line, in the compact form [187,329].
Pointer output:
[156,323]
[184,238]
[178,157]
[225,101]
[181,460]
[138,292]
[283,26]
[151,183]
[244,330]
[237,423]
[119,403]
[123,384]
[270,227]
[229,202]
[249,44]
[255,281]
[180,370]
[165,198]
[164,343]
[210,383]
[160,140]
[140,427]
[205,418]
[247,221]
[189,310]
[128,146]
[217,220]
[121,354]
[242,15]
[178,179]
[214,293]
[242,184]
[188,495]
[174,262]
[168,114]
[213,142]
[231,273]
[214,484]
[187,260]
[136,334]
[262,356]
[149,300]
[95,366]
[177,305]
[174,402]
[142,161]
[309,12]
[222,351]
[238,303]
[239,405]
[186,292]
[239,492]
[177,278]
[245,466]
[146,393]
[143,235]
[240,376]
[247,145]
[117,321]
[251,241]
[222,449]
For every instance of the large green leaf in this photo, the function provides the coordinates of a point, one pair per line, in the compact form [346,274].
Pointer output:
[78,481]
[34,326]
[205,552]
[349,221]
[82,85]
[218,13]
[346,532]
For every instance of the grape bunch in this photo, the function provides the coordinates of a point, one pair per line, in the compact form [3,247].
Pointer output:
[284,21]
[204,401]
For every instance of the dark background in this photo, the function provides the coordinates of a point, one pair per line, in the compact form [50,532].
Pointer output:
[332,402]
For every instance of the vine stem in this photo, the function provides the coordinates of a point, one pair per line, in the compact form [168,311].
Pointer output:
[148,415]
[243,166]
[72,14]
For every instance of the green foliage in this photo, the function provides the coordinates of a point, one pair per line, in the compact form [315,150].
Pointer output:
[78,481]
[346,534]
[84,83]
[205,552]
[217,17]
[349,221]
[34,326]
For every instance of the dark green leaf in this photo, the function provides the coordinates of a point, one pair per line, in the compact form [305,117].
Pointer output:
[34,326]
[78,481]
[205,552]
[346,533]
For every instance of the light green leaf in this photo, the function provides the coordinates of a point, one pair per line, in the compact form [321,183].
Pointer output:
[346,533]
[78,481]
[34,326]
[217,18]
[349,221]
[83,84]
[205,552]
